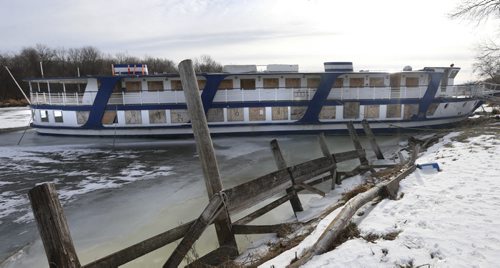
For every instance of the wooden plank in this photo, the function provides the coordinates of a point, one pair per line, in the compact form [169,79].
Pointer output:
[205,148]
[52,225]
[281,164]
[263,229]
[263,210]
[214,207]
[357,144]
[326,153]
[142,248]
[214,258]
[309,188]
[371,138]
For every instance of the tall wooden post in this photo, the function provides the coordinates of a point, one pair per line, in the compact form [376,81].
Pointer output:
[281,164]
[357,144]
[326,152]
[53,228]
[371,138]
[205,150]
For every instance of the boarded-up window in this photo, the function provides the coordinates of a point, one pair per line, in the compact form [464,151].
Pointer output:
[292,82]
[376,82]
[356,82]
[44,115]
[155,85]
[201,84]
[351,110]
[176,85]
[234,114]
[411,81]
[257,113]
[271,82]
[313,82]
[133,117]
[280,113]
[215,115]
[410,110]
[134,86]
[157,116]
[432,109]
[372,111]
[297,112]
[247,84]
[226,84]
[393,111]
[58,116]
[179,116]
[327,112]
[395,80]
[339,82]
[109,118]
[82,117]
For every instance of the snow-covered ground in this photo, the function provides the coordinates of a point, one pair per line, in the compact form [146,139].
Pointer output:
[444,219]
[14,117]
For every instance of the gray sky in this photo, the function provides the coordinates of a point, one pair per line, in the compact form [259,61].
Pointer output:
[380,35]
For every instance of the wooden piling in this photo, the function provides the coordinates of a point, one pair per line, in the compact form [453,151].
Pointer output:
[205,149]
[326,152]
[371,138]
[53,228]
[281,164]
[357,144]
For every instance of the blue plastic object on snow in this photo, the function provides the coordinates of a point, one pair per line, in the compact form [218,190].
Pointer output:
[431,165]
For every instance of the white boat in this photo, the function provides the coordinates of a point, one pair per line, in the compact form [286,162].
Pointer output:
[250,99]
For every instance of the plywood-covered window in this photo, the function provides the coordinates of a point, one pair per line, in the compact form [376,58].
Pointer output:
[179,116]
[432,109]
[257,113]
[157,117]
[395,81]
[297,112]
[410,110]
[393,111]
[133,117]
[155,85]
[351,110]
[82,117]
[280,113]
[176,85]
[226,84]
[109,117]
[412,81]
[58,116]
[201,83]
[356,82]
[271,82]
[339,82]
[313,82]
[376,82]
[215,115]
[372,111]
[247,84]
[133,86]
[235,114]
[327,112]
[292,82]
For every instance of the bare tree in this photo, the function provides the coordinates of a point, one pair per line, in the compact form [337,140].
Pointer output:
[477,9]
[205,64]
[487,63]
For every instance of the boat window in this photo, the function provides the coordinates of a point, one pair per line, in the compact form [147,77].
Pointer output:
[257,113]
[76,87]
[339,82]
[133,86]
[271,83]
[410,110]
[372,111]
[133,117]
[234,114]
[44,115]
[411,81]
[155,85]
[215,115]
[292,82]
[109,117]
[56,87]
[279,113]
[226,84]
[176,85]
[297,112]
[157,117]
[179,116]
[313,82]
[393,111]
[395,80]
[327,112]
[432,109]
[43,87]
[376,82]
[356,82]
[58,116]
[82,117]
[351,110]
[247,84]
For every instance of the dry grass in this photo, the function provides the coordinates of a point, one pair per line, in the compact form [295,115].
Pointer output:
[355,191]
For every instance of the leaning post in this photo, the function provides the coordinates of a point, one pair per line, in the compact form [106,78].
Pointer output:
[53,228]
[326,152]
[357,144]
[205,150]
[371,138]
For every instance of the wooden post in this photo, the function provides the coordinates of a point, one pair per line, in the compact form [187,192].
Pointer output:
[371,138]
[357,144]
[52,225]
[326,152]
[205,149]
[281,164]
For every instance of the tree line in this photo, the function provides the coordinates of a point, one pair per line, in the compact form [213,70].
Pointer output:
[87,60]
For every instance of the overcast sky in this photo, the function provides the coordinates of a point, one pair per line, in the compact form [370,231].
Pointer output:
[376,35]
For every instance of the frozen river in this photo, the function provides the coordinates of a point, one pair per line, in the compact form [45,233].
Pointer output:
[116,196]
